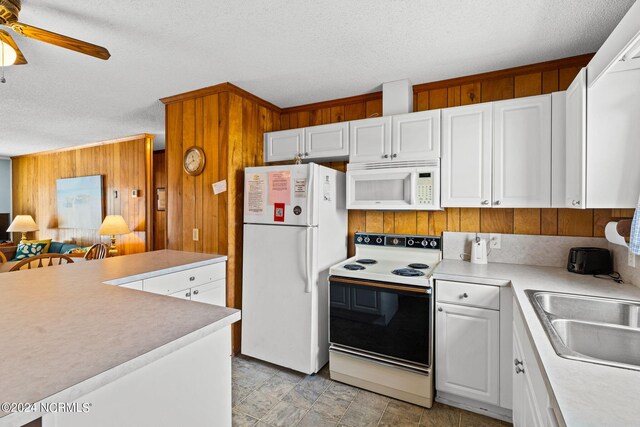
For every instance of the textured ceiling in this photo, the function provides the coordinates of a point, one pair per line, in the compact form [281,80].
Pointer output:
[287,52]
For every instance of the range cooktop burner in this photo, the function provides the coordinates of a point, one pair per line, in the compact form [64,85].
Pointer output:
[408,272]
[418,265]
[366,261]
[353,267]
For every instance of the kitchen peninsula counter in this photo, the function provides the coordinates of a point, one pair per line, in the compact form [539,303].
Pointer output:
[68,331]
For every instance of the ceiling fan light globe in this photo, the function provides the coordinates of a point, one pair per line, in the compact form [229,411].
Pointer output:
[8,54]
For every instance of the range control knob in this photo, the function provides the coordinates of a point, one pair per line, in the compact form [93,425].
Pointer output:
[434,243]
[410,242]
[395,241]
[367,240]
[425,242]
[359,239]
[379,240]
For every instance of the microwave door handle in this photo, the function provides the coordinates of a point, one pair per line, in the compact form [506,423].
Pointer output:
[414,189]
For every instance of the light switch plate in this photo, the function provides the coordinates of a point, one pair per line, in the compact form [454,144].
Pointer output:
[632,258]
[495,241]
[196,234]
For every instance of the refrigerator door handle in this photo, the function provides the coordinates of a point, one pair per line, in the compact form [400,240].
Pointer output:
[310,195]
[310,256]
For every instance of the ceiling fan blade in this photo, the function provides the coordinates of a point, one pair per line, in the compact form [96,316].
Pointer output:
[60,40]
[5,37]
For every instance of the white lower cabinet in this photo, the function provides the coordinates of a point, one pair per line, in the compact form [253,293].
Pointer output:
[531,400]
[467,352]
[205,284]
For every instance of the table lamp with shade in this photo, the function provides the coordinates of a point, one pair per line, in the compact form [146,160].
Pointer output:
[113,225]
[23,224]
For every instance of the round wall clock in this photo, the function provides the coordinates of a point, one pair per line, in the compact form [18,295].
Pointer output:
[194,160]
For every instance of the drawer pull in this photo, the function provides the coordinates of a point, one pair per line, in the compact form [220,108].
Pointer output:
[192,278]
[188,294]
[465,295]
[196,292]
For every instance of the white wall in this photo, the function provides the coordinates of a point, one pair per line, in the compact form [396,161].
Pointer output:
[5,185]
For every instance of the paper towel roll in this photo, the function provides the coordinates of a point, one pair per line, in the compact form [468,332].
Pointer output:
[611,233]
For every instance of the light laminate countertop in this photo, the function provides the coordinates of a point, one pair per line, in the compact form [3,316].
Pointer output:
[587,394]
[65,333]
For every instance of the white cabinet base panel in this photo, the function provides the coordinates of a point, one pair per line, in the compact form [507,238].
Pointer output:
[383,379]
[190,387]
[474,406]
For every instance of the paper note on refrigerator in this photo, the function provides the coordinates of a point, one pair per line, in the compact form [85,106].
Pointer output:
[256,188]
[280,187]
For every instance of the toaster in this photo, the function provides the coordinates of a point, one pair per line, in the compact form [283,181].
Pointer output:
[590,261]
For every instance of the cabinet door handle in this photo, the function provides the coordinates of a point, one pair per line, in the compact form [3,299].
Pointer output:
[465,295]
[395,155]
[497,203]
[439,308]
[575,202]
[519,370]
[485,202]
[517,362]
[188,294]
[196,292]
[306,154]
[192,278]
[386,156]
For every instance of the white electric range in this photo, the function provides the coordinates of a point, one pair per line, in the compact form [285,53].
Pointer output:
[381,316]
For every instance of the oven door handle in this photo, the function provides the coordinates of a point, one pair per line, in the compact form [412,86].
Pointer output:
[333,280]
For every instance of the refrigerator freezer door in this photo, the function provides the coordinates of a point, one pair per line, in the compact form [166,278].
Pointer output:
[284,195]
[277,310]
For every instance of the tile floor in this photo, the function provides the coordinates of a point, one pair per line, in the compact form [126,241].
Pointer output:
[267,395]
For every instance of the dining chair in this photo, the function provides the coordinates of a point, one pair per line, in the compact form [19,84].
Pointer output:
[97,251]
[43,260]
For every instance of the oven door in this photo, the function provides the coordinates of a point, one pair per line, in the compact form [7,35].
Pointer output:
[382,319]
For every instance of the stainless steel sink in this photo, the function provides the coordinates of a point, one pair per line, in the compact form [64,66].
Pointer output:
[591,329]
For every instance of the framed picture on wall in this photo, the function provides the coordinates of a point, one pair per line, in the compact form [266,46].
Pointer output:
[80,202]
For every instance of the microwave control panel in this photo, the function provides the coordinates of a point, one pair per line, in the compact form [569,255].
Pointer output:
[424,187]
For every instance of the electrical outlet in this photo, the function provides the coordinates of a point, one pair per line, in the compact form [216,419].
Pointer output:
[196,234]
[495,241]
[632,258]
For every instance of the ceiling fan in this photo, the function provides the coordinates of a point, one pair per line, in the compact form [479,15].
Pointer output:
[9,11]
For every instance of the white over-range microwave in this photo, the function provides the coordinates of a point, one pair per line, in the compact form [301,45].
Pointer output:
[397,186]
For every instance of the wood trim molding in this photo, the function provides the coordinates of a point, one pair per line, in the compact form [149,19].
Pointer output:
[332,103]
[222,87]
[574,61]
[92,144]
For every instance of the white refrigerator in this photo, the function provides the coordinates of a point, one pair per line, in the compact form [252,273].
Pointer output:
[295,228]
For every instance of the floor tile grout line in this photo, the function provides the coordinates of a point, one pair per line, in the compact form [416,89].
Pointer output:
[382,415]
[350,403]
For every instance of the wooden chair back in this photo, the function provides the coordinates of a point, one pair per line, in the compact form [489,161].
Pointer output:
[43,260]
[3,258]
[97,251]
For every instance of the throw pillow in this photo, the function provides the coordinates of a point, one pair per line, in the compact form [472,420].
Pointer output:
[28,250]
[47,242]
[79,250]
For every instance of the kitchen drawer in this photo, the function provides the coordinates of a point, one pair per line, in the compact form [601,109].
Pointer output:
[211,293]
[133,285]
[468,294]
[174,282]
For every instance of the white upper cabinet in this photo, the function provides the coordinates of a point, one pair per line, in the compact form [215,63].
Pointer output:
[558,148]
[370,140]
[576,141]
[466,156]
[327,141]
[416,136]
[283,145]
[522,152]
